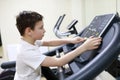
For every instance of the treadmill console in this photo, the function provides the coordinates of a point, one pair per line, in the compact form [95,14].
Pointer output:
[97,28]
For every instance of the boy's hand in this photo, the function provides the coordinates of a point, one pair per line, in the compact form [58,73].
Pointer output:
[77,40]
[92,43]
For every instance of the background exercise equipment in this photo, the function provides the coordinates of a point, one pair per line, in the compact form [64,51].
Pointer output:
[70,27]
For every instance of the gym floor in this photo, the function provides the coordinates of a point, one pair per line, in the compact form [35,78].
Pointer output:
[43,78]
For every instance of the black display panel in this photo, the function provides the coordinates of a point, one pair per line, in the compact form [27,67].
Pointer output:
[98,25]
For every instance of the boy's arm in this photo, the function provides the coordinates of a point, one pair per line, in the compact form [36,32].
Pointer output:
[62,41]
[89,44]
[53,61]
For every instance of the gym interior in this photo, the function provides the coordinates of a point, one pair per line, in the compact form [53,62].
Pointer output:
[62,19]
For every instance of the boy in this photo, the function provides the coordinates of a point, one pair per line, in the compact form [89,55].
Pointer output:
[30,60]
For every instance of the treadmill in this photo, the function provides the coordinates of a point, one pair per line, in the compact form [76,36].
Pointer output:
[91,63]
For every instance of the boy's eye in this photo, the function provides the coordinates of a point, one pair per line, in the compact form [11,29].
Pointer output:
[41,27]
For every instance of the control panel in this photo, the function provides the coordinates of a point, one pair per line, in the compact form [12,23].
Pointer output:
[98,26]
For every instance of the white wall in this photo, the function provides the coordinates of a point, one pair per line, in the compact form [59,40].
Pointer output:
[99,7]
[78,12]
[50,9]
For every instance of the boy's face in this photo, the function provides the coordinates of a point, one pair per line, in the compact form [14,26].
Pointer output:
[38,31]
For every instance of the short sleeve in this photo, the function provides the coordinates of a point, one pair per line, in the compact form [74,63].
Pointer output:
[38,43]
[34,59]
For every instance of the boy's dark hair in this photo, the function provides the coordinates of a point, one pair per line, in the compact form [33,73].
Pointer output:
[27,19]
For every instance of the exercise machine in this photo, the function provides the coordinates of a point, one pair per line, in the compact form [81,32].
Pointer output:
[71,28]
[92,63]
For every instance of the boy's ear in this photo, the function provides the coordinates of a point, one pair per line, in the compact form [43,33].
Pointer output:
[28,31]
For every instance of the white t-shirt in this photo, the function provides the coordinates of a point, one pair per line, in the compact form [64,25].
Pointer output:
[28,62]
